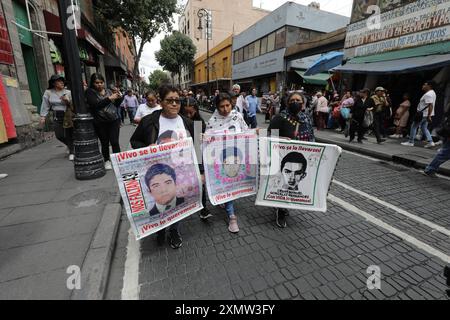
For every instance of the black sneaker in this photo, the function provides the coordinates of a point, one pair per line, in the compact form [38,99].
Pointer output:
[175,240]
[161,237]
[429,174]
[205,214]
[281,218]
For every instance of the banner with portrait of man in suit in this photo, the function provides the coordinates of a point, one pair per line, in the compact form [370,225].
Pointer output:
[160,185]
[231,165]
[296,175]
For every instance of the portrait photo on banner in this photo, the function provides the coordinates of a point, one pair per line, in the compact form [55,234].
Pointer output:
[160,185]
[296,175]
[231,165]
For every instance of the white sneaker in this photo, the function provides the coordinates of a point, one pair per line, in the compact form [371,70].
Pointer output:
[71,157]
[3,175]
[408,144]
[430,145]
[108,165]
[394,136]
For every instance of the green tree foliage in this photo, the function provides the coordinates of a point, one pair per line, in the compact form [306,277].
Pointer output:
[141,19]
[177,51]
[158,78]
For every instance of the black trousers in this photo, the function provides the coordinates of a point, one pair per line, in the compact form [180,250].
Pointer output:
[65,135]
[357,127]
[378,122]
[108,134]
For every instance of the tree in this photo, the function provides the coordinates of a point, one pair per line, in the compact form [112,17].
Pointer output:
[158,78]
[177,51]
[141,19]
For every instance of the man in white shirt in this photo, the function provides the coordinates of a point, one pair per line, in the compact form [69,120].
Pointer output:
[426,107]
[241,104]
[147,108]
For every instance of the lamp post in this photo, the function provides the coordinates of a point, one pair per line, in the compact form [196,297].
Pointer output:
[88,162]
[200,14]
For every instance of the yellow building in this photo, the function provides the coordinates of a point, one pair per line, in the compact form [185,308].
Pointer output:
[219,68]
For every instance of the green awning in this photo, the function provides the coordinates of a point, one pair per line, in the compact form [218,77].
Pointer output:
[320,79]
[432,49]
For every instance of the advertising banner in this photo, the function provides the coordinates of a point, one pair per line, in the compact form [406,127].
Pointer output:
[296,175]
[160,185]
[231,165]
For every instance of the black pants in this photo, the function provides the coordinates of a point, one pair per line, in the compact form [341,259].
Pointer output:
[65,135]
[123,114]
[108,133]
[356,127]
[378,123]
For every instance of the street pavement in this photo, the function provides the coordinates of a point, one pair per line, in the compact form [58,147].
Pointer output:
[381,215]
[49,222]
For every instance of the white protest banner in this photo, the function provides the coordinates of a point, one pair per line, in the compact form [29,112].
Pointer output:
[231,165]
[296,175]
[160,185]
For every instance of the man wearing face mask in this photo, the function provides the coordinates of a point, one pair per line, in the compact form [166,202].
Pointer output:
[291,124]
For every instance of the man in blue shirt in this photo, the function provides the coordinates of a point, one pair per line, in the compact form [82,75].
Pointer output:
[254,106]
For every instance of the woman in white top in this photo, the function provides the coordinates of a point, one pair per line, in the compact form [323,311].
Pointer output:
[147,108]
[227,120]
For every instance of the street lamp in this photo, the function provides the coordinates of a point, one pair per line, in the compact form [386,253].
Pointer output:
[88,162]
[200,14]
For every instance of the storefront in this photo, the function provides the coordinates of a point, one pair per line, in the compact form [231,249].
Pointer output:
[411,46]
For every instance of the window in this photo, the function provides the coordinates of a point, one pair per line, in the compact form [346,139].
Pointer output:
[225,67]
[280,39]
[241,55]
[246,53]
[297,35]
[264,45]
[251,51]
[257,48]
[271,42]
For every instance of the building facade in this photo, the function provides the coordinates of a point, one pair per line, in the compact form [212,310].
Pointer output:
[226,17]
[409,44]
[258,52]
[220,68]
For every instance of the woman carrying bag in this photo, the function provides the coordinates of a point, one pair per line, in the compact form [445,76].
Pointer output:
[59,100]
[104,106]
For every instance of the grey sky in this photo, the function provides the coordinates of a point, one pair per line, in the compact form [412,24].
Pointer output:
[149,64]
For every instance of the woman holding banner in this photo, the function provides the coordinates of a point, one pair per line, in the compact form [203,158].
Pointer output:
[292,124]
[226,119]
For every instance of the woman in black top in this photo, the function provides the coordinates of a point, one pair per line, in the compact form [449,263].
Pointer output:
[104,105]
[293,124]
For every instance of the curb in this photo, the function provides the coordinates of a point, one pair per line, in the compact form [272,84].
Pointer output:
[10,150]
[96,267]
[403,160]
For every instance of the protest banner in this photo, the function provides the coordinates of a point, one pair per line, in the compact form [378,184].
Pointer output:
[296,175]
[160,185]
[231,165]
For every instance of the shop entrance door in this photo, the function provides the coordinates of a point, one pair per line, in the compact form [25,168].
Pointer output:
[32,75]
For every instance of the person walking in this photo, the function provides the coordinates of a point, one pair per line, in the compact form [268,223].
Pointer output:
[227,120]
[241,103]
[147,108]
[131,104]
[359,109]
[59,100]
[379,104]
[104,106]
[424,115]
[401,117]
[254,105]
[156,125]
[321,111]
[294,124]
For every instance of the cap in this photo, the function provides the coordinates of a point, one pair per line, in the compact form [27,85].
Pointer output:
[379,89]
[54,78]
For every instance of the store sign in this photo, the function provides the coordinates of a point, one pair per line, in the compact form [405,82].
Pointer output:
[6,53]
[266,64]
[362,9]
[420,23]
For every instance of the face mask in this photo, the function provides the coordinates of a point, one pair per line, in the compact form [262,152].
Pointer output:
[295,108]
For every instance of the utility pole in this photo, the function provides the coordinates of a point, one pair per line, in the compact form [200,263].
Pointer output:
[88,162]
[202,13]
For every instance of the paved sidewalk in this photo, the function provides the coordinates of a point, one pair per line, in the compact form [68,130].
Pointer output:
[392,150]
[50,221]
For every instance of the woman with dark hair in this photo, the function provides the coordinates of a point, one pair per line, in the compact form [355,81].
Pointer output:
[104,105]
[227,120]
[293,124]
[59,100]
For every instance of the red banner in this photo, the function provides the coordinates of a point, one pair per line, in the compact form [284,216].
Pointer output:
[6,112]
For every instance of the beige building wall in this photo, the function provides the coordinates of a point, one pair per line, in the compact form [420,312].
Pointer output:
[229,17]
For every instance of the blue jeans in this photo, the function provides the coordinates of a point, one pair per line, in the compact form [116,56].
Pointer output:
[424,125]
[252,122]
[131,114]
[441,157]
[229,207]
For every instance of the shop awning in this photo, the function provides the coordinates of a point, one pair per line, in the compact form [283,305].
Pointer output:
[397,66]
[320,79]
